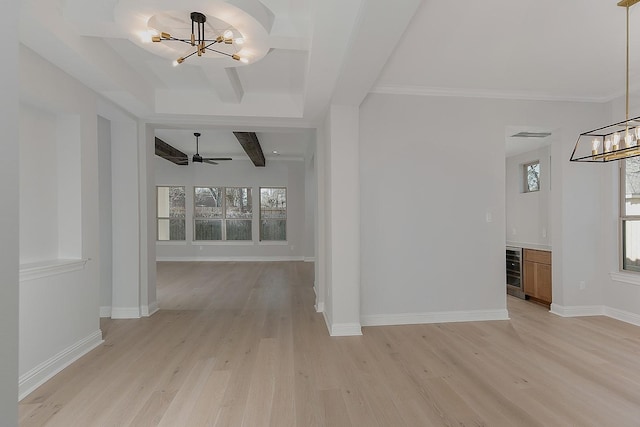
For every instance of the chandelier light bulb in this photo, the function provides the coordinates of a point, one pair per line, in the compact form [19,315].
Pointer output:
[616,140]
[228,34]
[595,145]
[628,139]
[239,40]
[638,133]
[607,145]
[244,60]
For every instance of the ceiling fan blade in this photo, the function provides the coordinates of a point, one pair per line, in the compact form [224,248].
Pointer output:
[211,162]
[217,158]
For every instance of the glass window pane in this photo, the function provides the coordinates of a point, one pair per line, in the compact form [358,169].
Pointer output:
[273,229]
[532,177]
[163,229]
[177,229]
[176,202]
[208,202]
[171,213]
[163,202]
[631,245]
[238,229]
[239,203]
[632,187]
[208,229]
[273,203]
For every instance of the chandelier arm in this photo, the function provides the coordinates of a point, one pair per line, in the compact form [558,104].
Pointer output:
[217,51]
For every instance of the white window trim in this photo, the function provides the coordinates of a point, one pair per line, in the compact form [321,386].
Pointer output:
[623,275]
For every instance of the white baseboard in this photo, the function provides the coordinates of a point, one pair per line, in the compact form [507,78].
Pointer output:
[125,312]
[309,259]
[105,311]
[345,329]
[577,310]
[47,369]
[149,310]
[319,307]
[596,310]
[624,316]
[435,317]
[232,258]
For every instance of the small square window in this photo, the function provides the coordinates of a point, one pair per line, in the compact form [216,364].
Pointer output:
[531,173]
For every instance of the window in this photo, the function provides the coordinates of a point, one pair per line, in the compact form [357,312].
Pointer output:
[222,213]
[531,172]
[273,214]
[171,213]
[630,213]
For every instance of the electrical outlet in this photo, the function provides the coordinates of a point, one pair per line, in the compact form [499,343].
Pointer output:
[582,285]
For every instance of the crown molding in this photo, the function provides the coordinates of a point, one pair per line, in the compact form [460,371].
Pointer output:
[481,93]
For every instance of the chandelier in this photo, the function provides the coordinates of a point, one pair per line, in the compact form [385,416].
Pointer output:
[613,142]
[200,42]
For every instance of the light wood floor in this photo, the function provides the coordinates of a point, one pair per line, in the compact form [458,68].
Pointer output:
[239,344]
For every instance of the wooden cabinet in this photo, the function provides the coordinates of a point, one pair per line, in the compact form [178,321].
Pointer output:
[537,275]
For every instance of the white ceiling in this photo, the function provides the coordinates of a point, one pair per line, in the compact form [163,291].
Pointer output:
[323,51]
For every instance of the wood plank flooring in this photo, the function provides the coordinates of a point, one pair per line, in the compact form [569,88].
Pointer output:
[239,344]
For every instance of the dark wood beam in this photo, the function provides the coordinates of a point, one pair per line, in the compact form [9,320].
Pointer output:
[251,145]
[170,153]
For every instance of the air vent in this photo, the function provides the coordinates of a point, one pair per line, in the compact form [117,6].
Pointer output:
[531,135]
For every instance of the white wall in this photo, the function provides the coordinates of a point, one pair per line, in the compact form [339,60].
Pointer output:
[9,173]
[106,229]
[58,312]
[341,220]
[432,172]
[238,173]
[38,185]
[528,214]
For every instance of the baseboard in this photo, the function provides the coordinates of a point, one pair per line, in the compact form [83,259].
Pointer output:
[125,312]
[47,369]
[232,258]
[105,311]
[624,316]
[319,307]
[309,259]
[345,329]
[435,317]
[577,310]
[149,310]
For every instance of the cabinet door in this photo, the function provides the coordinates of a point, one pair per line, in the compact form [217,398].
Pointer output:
[543,282]
[530,278]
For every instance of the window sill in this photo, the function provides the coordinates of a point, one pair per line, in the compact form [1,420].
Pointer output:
[222,243]
[171,242]
[273,243]
[624,277]
[38,270]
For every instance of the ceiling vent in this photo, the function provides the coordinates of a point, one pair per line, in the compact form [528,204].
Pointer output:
[531,135]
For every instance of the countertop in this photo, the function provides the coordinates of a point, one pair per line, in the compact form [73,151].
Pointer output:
[530,246]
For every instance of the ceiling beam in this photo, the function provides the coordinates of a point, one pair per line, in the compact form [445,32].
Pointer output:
[170,153]
[251,145]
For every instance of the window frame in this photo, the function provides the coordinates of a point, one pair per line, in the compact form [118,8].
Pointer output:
[286,215]
[525,176]
[223,218]
[623,218]
[168,218]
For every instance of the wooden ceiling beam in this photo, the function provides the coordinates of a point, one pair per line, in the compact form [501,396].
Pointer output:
[251,145]
[170,153]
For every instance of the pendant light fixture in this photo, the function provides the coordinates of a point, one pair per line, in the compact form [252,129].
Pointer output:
[614,142]
[200,42]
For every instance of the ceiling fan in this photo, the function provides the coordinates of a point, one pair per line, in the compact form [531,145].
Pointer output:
[197,158]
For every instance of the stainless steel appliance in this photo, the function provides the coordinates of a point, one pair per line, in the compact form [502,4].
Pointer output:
[514,272]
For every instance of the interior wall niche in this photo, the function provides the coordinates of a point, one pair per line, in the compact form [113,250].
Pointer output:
[50,210]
